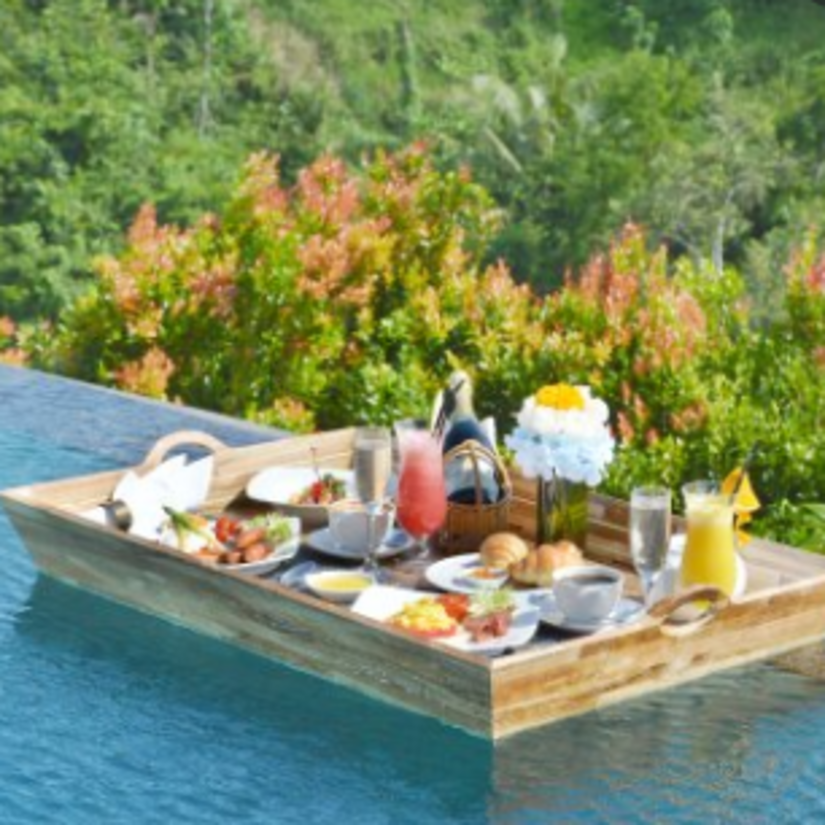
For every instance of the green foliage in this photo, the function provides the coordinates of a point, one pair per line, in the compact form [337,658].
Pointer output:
[102,109]
[345,298]
[699,119]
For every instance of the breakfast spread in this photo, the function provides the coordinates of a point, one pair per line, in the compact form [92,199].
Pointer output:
[480,611]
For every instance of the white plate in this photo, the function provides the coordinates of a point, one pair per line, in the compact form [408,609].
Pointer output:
[454,574]
[279,485]
[626,613]
[396,543]
[280,553]
[382,601]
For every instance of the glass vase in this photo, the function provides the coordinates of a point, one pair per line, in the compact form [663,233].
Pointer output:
[561,509]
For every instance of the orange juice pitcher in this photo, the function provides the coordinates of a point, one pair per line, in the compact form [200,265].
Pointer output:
[710,549]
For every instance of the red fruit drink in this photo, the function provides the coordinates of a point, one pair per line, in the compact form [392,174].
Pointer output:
[422,497]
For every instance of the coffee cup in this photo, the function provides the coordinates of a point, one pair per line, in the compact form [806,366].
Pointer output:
[587,594]
[349,525]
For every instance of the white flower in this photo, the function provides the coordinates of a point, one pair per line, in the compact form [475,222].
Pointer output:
[562,431]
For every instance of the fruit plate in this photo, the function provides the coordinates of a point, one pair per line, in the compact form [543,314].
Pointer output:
[380,602]
[281,486]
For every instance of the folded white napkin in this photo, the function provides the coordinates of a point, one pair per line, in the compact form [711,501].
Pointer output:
[174,483]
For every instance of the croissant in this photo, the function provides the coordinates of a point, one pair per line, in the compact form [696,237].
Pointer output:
[500,550]
[539,565]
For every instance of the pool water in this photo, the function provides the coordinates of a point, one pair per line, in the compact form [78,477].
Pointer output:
[111,716]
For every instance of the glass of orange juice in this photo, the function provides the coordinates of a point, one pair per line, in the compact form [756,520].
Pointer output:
[710,548]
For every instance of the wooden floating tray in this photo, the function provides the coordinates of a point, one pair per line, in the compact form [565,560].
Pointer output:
[783,608]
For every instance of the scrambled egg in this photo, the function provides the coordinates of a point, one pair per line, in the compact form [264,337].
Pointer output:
[424,616]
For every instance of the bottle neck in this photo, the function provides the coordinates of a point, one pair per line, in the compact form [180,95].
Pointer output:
[463,403]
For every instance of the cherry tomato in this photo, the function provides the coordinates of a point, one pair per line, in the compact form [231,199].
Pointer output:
[317,491]
[225,528]
[457,605]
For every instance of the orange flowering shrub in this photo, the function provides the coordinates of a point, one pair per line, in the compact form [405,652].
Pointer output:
[350,297]
[633,333]
[346,297]
[805,300]
[12,352]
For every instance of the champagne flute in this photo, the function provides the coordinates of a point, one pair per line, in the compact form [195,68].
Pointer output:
[421,498]
[373,467]
[649,533]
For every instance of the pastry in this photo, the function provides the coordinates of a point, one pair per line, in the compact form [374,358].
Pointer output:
[501,550]
[539,565]
[565,554]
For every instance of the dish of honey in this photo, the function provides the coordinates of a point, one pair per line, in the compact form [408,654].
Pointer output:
[338,585]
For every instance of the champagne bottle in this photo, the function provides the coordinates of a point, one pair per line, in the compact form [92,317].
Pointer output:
[463,486]
[463,425]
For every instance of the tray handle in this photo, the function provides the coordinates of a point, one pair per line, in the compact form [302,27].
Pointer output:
[181,438]
[717,601]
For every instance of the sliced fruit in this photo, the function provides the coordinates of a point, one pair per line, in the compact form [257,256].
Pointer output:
[746,500]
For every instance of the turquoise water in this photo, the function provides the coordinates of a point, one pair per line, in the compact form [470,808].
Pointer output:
[110,716]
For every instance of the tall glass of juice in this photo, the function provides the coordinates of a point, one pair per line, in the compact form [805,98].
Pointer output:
[421,498]
[710,548]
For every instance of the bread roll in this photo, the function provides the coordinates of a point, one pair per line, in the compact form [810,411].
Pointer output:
[539,565]
[500,550]
[565,554]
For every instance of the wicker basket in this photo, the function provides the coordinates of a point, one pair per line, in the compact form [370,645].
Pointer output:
[467,525]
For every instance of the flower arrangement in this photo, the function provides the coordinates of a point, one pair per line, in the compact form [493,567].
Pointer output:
[563,433]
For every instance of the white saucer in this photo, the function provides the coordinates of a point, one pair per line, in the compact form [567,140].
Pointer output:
[627,612]
[322,541]
[454,574]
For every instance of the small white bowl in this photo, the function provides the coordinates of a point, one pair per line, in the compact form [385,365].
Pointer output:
[342,586]
[349,524]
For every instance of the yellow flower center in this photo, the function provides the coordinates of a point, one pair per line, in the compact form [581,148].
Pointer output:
[560,397]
